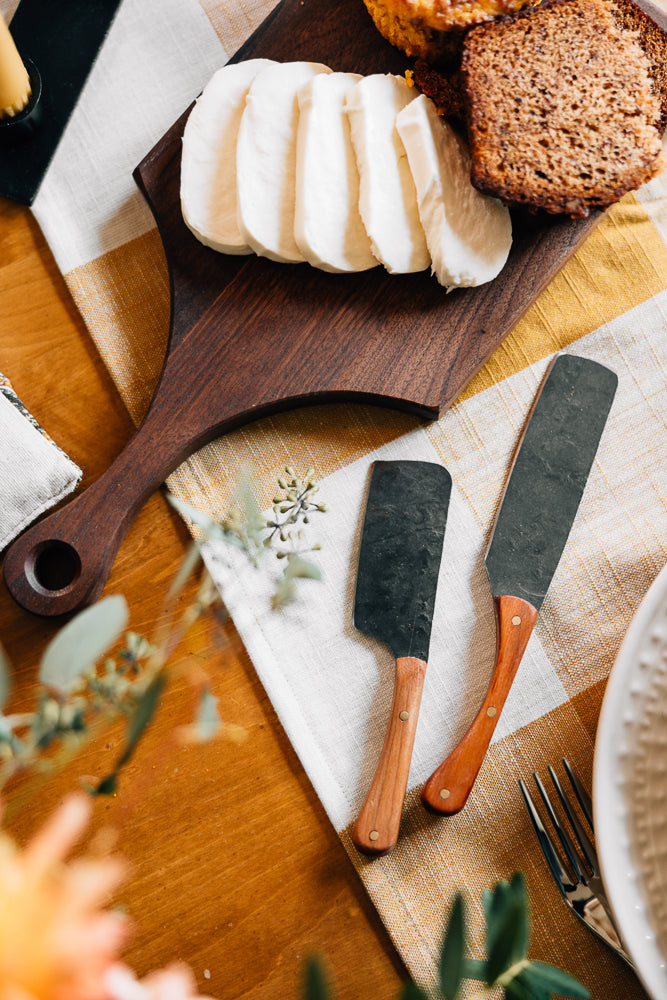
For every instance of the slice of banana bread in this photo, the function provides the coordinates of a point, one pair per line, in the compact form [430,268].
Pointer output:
[561,114]
[653,40]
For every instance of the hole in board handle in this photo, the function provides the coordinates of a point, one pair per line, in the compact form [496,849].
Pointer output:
[53,567]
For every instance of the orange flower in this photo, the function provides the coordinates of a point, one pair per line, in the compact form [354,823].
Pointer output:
[56,942]
[175,982]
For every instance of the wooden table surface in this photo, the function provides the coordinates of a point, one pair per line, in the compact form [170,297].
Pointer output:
[235,867]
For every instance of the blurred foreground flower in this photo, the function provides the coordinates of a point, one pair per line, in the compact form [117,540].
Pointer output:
[56,940]
[175,982]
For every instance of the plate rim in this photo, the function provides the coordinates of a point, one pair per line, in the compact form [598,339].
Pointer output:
[609,820]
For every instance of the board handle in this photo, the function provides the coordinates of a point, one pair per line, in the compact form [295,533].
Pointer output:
[448,788]
[376,829]
[61,563]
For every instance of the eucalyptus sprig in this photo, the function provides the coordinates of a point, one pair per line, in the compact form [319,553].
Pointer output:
[83,689]
[245,528]
[294,505]
[506,965]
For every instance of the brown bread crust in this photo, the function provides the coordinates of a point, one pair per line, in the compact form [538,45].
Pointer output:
[445,90]
[560,109]
[653,41]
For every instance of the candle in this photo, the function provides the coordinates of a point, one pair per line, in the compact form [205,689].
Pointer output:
[14,79]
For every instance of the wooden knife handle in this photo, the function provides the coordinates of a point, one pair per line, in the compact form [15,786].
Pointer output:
[448,788]
[376,829]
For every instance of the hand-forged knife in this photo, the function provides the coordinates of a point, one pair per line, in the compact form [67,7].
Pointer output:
[541,498]
[397,578]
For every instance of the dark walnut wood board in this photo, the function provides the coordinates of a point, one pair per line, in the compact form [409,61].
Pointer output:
[249,336]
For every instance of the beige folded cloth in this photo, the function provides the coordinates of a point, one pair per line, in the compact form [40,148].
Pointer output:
[34,472]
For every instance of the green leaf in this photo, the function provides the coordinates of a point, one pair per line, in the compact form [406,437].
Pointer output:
[198,517]
[411,991]
[507,927]
[496,902]
[475,968]
[487,902]
[518,888]
[138,723]
[107,786]
[185,570]
[553,980]
[142,716]
[81,643]
[517,989]
[315,985]
[208,721]
[246,498]
[5,678]
[450,966]
[299,567]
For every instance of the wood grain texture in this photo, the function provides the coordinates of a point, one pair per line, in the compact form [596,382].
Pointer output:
[447,790]
[377,826]
[249,337]
[234,866]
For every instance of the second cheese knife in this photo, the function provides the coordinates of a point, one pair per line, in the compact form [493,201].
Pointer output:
[397,578]
[542,495]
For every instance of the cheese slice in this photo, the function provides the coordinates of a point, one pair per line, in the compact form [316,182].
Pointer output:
[387,195]
[208,164]
[327,224]
[266,159]
[469,234]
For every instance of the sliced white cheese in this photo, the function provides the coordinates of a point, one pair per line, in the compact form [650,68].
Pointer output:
[327,224]
[266,159]
[208,165]
[468,233]
[387,198]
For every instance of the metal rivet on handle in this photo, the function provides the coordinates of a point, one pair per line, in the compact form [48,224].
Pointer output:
[516,620]
[373,835]
[491,711]
[404,716]
[444,793]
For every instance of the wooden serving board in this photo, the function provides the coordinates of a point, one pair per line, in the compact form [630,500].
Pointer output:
[250,337]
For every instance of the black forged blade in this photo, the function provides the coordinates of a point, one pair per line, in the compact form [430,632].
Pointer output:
[548,477]
[401,550]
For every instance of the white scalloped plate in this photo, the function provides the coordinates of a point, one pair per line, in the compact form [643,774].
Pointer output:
[630,789]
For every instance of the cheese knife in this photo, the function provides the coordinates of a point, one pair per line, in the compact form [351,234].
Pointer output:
[397,578]
[541,498]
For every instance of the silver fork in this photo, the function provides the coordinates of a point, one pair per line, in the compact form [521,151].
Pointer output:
[581,886]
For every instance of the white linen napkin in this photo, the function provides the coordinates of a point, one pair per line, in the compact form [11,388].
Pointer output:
[34,472]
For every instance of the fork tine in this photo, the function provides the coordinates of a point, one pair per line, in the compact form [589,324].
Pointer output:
[563,835]
[560,876]
[583,797]
[580,833]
